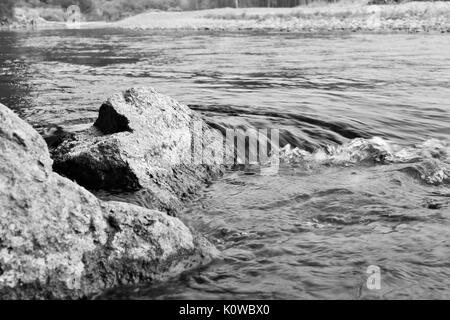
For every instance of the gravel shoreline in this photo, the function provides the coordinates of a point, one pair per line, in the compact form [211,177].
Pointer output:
[409,17]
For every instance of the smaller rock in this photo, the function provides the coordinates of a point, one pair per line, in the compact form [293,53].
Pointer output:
[147,143]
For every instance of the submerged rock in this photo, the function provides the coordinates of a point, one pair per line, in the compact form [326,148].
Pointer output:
[144,142]
[356,151]
[57,240]
[429,171]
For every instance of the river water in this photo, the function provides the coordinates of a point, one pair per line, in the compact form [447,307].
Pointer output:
[364,180]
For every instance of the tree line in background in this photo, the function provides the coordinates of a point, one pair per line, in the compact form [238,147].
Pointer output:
[208,4]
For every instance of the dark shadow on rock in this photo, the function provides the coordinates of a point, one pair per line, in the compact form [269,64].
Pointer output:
[109,121]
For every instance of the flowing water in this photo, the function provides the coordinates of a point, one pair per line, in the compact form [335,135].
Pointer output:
[364,122]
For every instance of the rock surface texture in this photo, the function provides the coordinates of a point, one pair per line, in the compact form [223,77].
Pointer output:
[145,143]
[57,240]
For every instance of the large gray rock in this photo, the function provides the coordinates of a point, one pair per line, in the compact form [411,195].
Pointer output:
[57,240]
[147,143]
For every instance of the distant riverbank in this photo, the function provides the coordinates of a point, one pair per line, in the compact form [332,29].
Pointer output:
[409,17]
[342,16]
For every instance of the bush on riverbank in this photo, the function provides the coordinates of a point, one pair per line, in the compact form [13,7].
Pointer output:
[6,10]
[24,11]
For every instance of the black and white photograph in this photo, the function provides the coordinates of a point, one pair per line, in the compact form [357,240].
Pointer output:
[224,154]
